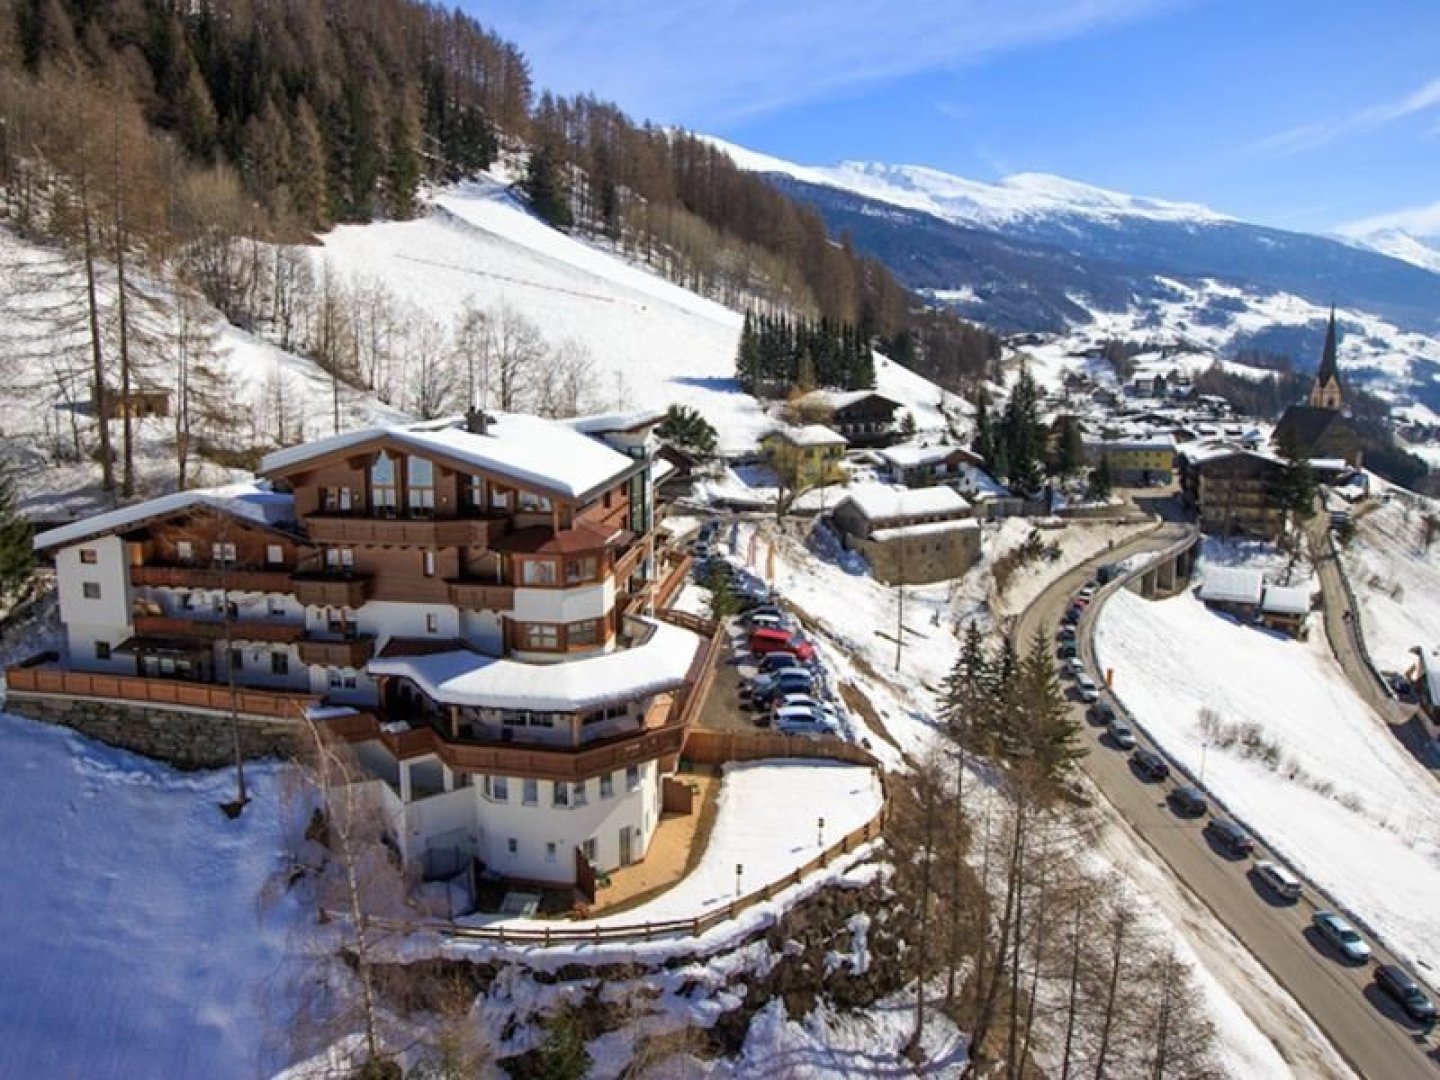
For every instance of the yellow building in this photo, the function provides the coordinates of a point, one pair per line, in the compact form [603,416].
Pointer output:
[1135,461]
[808,454]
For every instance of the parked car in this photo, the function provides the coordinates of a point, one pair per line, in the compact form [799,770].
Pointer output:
[1066,633]
[1231,838]
[764,611]
[1086,685]
[767,641]
[1121,735]
[1280,882]
[1189,801]
[765,621]
[1401,687]
[776,660]
[1149,764]
[1405,990]
[1072,615]
[1102,714]
[796,680]
[1081,601]
[803,721]
[1336,929]
[701,550]
[1067,651]
[1074,666]
[1090,589]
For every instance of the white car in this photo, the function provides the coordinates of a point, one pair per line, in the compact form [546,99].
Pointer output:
[1075,666]
[1086,685]
[803,720]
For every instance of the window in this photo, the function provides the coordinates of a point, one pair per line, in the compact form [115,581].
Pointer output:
[279,663]
[561,793]
[222,553]
[541,635]
[89,556]
[102,650]
[187,601]
[340,558]
[590,850]
[277,605]
[512,846]
[583,633]
[427,563]
[530,792]
[607,786]
[90,590]
[420,490]
[499,499]
[342,680]
[383,483]
[274,554]
[237,659]
[550,851]
[432,624]
[537,572]
[474,492]
[184,550]
[497,788]
[529,501]
[578,795]
[632,777]
[586,568]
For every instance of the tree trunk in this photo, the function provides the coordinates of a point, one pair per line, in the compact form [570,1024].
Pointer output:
[102,399]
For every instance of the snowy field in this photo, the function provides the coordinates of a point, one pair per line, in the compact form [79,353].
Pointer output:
[1396,581]
[1325,784]
[133,945]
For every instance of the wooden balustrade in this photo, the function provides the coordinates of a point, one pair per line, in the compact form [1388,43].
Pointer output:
[175,693]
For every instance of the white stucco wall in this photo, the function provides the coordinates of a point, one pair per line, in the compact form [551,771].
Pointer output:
[386,619]
[104,618]
[564,605]
[484,630]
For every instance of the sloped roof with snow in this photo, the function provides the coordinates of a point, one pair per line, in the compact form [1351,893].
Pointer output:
[1232,585]
[250,501]
[810,435]
[882,502]
[843,399]
[536,452]
[909,455]
[460,677]
[928,528]
[606,423]
[1286,599]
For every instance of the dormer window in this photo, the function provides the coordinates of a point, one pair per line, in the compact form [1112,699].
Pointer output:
[384,484]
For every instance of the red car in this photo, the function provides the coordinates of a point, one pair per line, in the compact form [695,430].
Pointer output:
[762,642]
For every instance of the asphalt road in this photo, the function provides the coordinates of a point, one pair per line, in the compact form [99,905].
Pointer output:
[1366,1028]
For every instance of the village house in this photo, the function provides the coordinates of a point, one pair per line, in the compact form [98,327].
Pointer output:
[1319,428]
[466,602]
[812,452]
[910,536]
[1231,489]
[1139,461]
[921,466]
[863,417]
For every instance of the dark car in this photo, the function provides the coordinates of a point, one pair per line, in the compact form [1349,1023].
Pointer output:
[1066,633]
[1231,838]
[1101,714]
[1400,686]
[1067,651]
[1072,616]
[1188,801]
[1405,990]
[1149,764]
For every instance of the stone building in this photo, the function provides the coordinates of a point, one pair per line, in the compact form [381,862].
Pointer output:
[910,536]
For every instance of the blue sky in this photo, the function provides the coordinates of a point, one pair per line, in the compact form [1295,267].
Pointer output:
[1306,114]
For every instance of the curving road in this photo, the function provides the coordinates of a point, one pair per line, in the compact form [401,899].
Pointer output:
[1366,1029]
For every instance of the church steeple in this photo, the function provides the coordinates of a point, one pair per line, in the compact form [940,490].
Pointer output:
[1326,393]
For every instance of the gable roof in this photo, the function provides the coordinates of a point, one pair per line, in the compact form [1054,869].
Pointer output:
[1307,424]
[882,502]
[808,435]
[843,399]
[250,502]
[908,455]
[546,455]
[1232,585]
[1286,600]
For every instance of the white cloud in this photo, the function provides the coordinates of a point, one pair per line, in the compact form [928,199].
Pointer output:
[1323,132]
[709,63]
[1421,221]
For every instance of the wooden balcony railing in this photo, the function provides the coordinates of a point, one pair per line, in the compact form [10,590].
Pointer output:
[405,531]
[352,652]
[332,590]
[172,693]
[214,629]
[211,577]
[507,759]
[481,595]
[625,565]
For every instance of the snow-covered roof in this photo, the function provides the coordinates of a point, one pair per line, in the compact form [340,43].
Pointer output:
[928,528]
[842,399]
[1203,450]
[254,502]
[810,435]
[909,455]
[983,485]
[1144,443]
[660,469]
[1232,585]
[882,502]
[605,423]
[1286,599]
[1328,464]
[461,677]
[544,454]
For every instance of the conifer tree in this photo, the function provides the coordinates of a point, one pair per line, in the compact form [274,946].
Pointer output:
[1048,732]
[1100,482]
[545,187]
[16,556]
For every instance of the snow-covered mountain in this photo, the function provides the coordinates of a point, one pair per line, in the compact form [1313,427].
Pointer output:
[1423,252]
[1035,253]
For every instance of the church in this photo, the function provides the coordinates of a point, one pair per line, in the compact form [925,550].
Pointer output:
[1318,429]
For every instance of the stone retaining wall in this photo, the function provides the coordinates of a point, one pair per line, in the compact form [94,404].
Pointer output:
[185,739]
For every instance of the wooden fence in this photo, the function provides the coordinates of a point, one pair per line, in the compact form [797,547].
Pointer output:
[165,693]
[706,747]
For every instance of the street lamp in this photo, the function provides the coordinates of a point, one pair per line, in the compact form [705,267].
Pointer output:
[820,832]
[739,870]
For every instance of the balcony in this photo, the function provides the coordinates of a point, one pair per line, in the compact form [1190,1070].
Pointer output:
[350,530]
[212,577]
[352,652]
[332,590]
[165,693]
[481,595]
[165,626]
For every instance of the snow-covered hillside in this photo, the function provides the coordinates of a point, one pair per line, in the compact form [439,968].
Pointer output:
[956,199]
[653,342]
[1423,252]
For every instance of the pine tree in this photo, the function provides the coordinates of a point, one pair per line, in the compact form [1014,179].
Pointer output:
[687,429]
[546,189]
[1100,482]
[965,693]
[1048,733]
[984,441]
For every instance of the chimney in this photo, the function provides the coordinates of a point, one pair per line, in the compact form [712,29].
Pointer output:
[476,422]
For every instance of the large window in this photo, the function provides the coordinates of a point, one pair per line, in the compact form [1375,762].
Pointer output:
[222,552]
[583,633]
[561,793]
[585,568]
[420,486]
[541,636]
[530,792]
[538,572]
[532,503]
[383,483]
